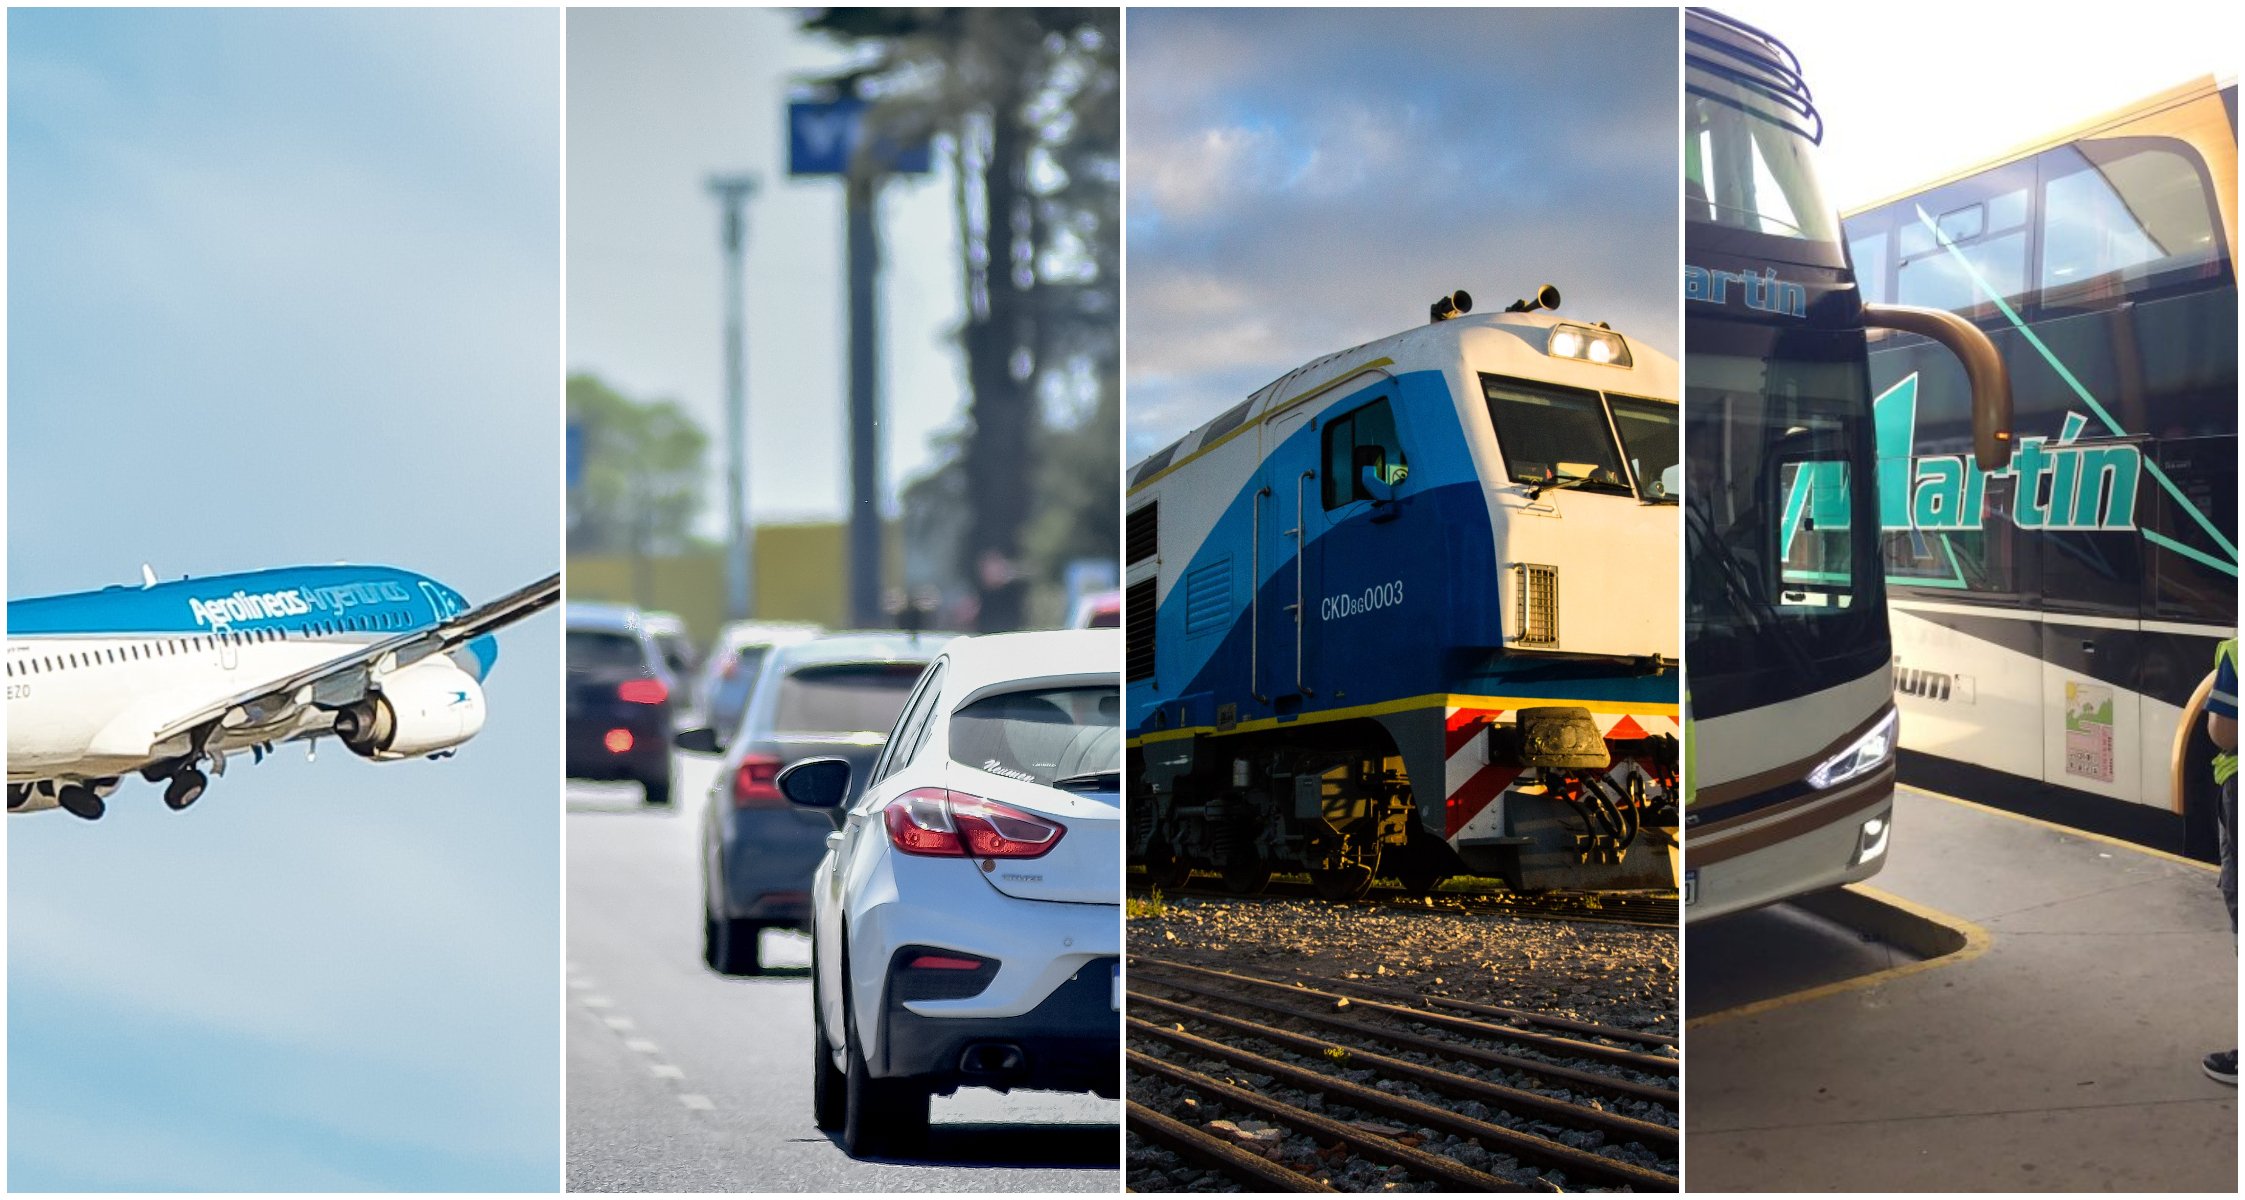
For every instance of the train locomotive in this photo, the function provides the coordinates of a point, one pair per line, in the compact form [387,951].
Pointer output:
[1410,611]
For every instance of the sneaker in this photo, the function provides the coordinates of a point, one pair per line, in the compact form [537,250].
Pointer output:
[2221,1066]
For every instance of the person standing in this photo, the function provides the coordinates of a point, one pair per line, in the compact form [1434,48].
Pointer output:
[2221,725]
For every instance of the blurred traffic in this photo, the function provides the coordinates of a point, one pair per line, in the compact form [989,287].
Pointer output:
[736,633]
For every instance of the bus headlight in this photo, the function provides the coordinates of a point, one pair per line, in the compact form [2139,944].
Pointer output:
[1581,342]
[1870,841]
[1869,753]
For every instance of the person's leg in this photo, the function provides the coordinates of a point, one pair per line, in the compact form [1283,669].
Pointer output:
[2221,1066]
[2228,880]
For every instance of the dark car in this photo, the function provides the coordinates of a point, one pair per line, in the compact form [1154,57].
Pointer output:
[830,697]
[620,697]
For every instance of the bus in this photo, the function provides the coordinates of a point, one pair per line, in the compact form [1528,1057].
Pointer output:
[2054,623]
[1790,722]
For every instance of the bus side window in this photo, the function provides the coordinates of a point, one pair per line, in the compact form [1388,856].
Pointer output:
[2120,211]
[1981,244]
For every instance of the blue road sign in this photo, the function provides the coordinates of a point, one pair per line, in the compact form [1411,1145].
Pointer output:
[823,135]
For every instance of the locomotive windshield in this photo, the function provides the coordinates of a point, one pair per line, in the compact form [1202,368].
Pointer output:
[1565,437]
[1648,437]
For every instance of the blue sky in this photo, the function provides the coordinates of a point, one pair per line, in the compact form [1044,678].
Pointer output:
[283,286]
[659,99]
[1305,180]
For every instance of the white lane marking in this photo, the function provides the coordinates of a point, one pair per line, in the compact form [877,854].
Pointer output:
[665,1071]
[583,985]
[598,1002]
[621,1023]
[691,1100]
[641,1046]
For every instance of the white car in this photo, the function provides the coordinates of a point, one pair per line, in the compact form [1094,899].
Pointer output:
[967,917]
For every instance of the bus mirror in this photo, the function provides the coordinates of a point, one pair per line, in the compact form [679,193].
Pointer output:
[1983,369]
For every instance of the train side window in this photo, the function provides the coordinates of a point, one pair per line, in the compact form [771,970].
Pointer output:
[1364,437]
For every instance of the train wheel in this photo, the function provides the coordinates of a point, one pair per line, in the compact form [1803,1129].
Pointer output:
[1419,875]
[1349,882]
[1247,876]
[1165,869]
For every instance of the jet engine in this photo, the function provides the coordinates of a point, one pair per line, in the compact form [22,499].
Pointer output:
[430,706]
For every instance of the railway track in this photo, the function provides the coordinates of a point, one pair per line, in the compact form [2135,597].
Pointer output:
[1308,1083]
[1652,909]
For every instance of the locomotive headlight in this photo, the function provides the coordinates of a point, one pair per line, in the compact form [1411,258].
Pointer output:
[1585,344]
[1867,754]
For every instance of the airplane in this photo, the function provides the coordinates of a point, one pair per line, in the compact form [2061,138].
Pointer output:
[168,679]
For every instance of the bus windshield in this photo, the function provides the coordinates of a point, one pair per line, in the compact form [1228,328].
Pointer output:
[1782,509]
[1748,163]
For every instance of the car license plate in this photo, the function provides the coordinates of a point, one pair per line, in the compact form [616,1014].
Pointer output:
[1117,998]
[1691,888]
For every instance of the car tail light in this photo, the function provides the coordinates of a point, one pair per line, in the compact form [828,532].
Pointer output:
[643,691]
[937,973]
[938,823]
[754,783]
[618,741]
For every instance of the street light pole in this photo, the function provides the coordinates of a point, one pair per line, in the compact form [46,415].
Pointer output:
[732,193]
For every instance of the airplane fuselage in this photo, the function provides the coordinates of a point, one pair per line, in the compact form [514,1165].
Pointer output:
[94,677]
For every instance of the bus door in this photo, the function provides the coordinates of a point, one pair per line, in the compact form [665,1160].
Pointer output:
[1288,526]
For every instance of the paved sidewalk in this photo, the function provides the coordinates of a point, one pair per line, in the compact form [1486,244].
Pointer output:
[2064,1057]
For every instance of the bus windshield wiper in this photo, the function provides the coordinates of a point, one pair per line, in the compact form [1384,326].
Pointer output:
[1757,613]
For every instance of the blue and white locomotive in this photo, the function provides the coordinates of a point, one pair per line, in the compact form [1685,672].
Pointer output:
[1412,610]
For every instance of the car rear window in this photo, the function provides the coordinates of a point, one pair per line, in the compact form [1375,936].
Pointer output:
[844,698]
[602,650]
[1042,735]
[731,692]
[677,652]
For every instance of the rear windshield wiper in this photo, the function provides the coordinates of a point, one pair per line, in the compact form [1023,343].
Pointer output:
[1091,781]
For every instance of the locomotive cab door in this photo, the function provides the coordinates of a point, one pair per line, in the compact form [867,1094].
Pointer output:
[1289,524]
[1362,629]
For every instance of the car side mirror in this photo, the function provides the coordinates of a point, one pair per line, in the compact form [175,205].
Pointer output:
[816,782]
[699,741]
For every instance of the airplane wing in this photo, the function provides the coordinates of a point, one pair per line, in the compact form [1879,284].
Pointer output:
[347,678]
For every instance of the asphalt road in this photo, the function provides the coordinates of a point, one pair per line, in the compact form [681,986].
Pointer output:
[681,1080]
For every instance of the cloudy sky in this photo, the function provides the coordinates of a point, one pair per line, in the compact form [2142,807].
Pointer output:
[1301,181]
[1881,138]
[659,99]
[284,287]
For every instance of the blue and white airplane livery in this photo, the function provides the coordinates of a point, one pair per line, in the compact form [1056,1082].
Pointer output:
[168,679]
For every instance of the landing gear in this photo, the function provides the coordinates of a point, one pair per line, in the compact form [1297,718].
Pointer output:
[80,801]
[186,787]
